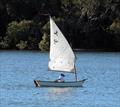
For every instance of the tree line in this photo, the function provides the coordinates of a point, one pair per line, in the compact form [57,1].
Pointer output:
[87,24]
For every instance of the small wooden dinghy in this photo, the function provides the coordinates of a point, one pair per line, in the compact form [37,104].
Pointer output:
[39,83]
[62,58]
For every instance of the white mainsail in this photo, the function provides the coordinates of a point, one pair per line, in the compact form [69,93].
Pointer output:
[62,57]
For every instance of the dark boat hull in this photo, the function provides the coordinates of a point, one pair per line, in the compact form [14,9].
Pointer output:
[39,83]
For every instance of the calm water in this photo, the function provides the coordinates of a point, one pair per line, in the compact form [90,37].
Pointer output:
[18,69]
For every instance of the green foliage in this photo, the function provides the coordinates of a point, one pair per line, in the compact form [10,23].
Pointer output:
[85,23]
[12,31]
[17,30]
[21,31]
[4,44]
[46,28]
[115,26]
[115,30]
[22,45]
[32,43]
[44,43]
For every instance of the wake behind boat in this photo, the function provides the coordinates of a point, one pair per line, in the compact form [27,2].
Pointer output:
[62,58]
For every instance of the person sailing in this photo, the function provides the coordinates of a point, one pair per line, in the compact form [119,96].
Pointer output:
[61,78]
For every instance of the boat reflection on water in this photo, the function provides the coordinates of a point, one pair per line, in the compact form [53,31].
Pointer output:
[59,91]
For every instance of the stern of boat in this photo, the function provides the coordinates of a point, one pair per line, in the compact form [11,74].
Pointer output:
[37,83]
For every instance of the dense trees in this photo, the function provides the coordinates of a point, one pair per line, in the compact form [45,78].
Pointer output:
[85,23]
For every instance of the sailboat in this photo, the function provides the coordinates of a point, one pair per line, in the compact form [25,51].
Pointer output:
[62,58]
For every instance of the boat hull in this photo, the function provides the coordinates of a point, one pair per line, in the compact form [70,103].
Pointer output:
[39,83]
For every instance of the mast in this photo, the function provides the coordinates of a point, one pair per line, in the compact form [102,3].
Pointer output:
[74,61]
[75,74]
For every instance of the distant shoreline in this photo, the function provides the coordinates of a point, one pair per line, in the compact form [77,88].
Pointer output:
[75,50]
[96,50]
